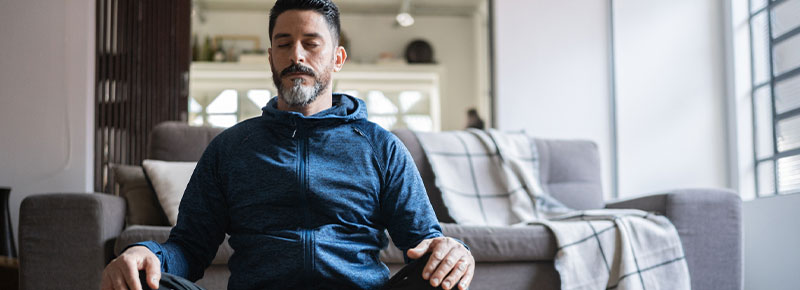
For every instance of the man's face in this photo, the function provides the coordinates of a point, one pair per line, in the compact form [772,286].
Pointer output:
[302,56]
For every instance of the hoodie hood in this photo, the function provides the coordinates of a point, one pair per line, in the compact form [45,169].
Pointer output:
[345,108]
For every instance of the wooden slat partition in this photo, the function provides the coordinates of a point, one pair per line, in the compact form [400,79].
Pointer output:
[141,78]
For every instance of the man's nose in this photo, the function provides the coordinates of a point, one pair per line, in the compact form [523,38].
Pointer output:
[298,54]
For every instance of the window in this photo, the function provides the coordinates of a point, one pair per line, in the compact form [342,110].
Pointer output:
[223,94]
[398,109]
[775,96]
[226,107]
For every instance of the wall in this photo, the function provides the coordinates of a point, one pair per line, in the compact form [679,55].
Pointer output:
[771,236]
[452,41]
[452,38]
[551,66]
[553,75]
[46,98]
[670,95]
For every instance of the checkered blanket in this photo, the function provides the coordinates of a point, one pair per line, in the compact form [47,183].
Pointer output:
[491,178]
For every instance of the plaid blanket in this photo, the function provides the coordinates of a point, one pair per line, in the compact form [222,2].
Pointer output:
[491,178]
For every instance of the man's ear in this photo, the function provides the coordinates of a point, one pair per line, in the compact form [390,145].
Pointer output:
[269,55]
[340,56]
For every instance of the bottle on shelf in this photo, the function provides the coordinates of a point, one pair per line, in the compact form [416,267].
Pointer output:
[208,50]
[195,48]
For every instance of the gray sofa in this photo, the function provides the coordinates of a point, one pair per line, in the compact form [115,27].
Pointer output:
[67,239]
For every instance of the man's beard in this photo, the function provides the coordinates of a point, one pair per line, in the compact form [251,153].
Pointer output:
[299,95]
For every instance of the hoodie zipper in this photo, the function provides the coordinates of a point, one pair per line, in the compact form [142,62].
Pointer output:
[306,234]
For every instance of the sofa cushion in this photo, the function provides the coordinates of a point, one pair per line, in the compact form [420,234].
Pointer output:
[138,233]
[142,207]
[495,244]
[570,172]
[169,179]
[533,243]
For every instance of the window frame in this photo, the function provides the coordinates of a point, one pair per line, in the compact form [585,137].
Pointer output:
[771,81]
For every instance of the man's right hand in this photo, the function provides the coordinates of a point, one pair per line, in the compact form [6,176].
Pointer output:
[123,272]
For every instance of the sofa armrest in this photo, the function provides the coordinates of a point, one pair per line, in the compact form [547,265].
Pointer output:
[709,222]
[67,239]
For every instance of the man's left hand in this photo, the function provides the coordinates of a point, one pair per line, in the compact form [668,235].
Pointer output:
[450,262]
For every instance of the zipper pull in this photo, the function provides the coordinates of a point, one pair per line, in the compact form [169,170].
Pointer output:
[358,132]
[295,131]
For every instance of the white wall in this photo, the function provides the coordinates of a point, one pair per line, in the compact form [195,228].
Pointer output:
[452,38]
[552,77]
[552,71]
[46,98]
[453,45]
[771,236]
[670,95]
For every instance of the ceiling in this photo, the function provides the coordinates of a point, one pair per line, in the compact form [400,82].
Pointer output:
[418,7]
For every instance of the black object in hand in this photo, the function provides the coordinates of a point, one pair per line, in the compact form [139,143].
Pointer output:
[169,282]
[410,277]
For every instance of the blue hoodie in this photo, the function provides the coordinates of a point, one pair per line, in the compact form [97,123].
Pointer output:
[305,200]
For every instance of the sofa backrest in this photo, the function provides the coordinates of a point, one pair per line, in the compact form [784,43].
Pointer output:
[569,169]
[177,141]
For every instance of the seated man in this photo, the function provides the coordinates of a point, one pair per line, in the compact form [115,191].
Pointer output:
[306,190]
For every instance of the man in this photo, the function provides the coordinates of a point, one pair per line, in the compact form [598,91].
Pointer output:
[306,190]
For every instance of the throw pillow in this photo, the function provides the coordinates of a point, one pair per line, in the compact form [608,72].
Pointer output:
[169,180]
[142,206]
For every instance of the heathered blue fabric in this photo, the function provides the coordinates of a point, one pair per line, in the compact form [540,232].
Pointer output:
[305,200]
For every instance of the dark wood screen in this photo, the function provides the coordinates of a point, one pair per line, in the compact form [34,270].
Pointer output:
[142,72]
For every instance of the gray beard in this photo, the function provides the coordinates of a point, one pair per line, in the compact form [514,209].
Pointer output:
[299,95]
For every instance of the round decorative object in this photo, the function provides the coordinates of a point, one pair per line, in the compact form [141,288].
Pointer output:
[419,51]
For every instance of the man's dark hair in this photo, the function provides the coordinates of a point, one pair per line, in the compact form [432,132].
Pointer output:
[326,8]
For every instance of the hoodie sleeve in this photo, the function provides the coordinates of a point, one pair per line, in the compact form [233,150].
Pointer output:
[405,207]
[202,221]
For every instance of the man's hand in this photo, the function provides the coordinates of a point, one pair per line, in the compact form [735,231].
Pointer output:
[123,272]
[448,256]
